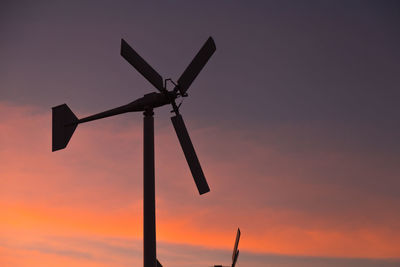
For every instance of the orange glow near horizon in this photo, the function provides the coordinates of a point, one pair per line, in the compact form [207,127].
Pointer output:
[37,221]
[35,203]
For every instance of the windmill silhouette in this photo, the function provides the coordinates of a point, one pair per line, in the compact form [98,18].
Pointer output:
[65,122]
[235,254]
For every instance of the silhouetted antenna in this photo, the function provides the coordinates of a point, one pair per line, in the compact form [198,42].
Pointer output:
[65,123]
[235,253]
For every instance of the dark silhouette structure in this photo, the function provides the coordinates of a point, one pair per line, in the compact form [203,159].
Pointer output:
[65,123]
[235,253]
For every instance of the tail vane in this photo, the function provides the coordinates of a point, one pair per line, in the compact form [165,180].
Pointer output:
[64,125]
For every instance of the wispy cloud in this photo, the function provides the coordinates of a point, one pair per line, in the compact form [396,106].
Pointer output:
[289,196]
[98,251]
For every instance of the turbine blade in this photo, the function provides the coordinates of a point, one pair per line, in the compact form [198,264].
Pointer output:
[159,264]
[190,154]
[64,125]
[235,260]
[197,64]
[141,65]
[235,253]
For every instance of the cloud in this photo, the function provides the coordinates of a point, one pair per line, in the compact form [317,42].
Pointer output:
[290,194]
[97,251]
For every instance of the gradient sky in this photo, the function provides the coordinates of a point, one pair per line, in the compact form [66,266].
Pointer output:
[295,120]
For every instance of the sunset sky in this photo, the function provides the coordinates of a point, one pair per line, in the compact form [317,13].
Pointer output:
[295,120]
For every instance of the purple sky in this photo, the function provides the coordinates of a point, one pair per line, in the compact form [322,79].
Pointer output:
[303,91]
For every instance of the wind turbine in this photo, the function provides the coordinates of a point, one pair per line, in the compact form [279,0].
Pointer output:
[235,253]
[65,123]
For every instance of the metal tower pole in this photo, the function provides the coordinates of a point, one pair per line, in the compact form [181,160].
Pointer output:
[149,206]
